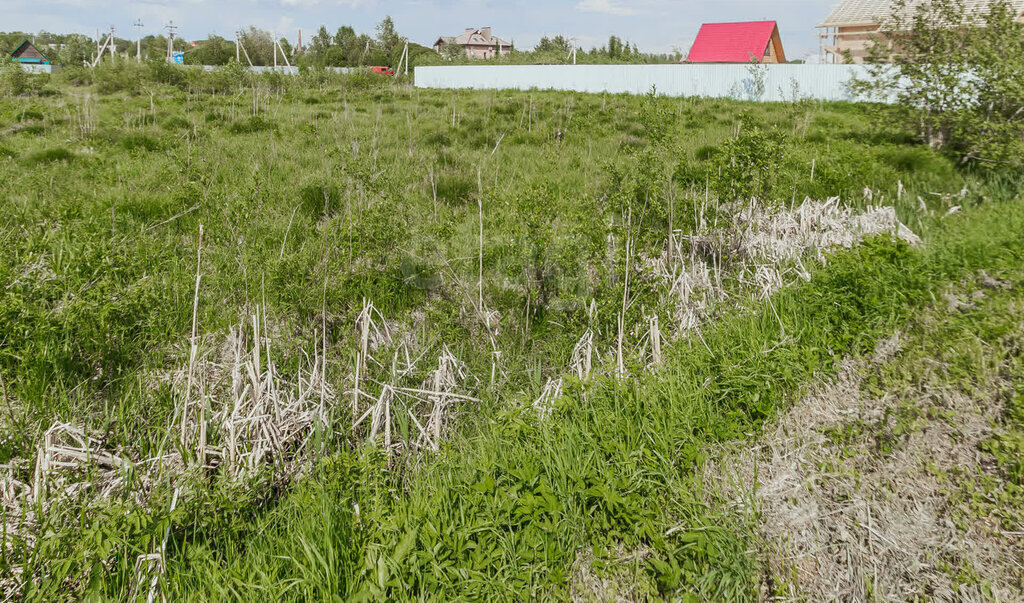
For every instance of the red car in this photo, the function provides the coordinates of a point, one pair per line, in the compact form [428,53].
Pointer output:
[382,70]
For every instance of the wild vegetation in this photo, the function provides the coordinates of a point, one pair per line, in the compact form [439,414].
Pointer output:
[957,73]
[323,336]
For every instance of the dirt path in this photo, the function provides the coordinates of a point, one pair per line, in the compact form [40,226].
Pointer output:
[900,480]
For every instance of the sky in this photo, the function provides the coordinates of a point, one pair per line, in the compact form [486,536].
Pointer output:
[654,25]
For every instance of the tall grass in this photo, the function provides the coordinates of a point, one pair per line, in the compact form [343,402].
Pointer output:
[310,210]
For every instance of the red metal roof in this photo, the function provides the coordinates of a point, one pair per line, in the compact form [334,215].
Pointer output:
[731,42]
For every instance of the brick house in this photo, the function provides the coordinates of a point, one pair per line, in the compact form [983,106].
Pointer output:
[476,43]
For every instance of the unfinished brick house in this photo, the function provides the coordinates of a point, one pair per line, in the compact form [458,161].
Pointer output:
[853,26]
[476,43]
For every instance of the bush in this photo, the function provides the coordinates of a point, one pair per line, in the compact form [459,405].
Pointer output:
[119,76]
[13,79]
[54,155]
[251,126]
[748,165]
[76,75]
[161,71]
[957,76]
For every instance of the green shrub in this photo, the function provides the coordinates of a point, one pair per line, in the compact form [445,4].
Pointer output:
[13,79]
[30,115]
[916,159]
[748,165]
[144,142]
[52,155]
[161,71]
[251,126]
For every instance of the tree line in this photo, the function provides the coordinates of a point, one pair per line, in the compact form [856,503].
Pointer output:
[343,48]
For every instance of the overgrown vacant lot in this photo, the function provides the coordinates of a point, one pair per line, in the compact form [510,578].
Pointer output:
[275,339]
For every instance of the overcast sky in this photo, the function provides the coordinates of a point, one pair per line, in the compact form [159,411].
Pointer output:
[654,25]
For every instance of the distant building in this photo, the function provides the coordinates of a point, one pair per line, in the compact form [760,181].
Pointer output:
[30,59]
[27,54]
[476,43]
[738,43]
[853,26]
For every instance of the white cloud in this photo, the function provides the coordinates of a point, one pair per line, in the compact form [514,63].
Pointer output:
[607,7]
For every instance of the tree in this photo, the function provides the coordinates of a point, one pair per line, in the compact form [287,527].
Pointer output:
[260,46]
[957,76]
[215,50]
[388,39]
[557,44]
[345,37]
[320,43]
[77,49]
[452,51]
[286,47]
[614,47]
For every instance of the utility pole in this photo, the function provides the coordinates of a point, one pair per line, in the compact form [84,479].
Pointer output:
[238,45]
[138,38]
[171,28]
[404,59]
[103,48]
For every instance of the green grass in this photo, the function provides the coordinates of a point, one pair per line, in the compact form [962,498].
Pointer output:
[310,207]
[504,511]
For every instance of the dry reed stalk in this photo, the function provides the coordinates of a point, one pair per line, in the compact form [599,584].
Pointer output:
[761,248]
[284,242]
[382,418]
[582,358]
[480,206]
[367,326]
[148,569]
[266,419]
[655,337]
[620,362]
[194,344]
[545,404]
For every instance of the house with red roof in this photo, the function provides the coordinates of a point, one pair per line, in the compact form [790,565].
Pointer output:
[738,43]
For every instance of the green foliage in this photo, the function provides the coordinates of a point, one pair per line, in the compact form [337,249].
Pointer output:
[215,50]
[52,155]
[318,191]
[959,76]
[13,79]
[748,165]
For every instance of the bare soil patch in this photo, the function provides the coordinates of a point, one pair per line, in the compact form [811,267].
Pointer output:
[859,490]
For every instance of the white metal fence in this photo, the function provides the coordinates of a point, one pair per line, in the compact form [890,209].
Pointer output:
[743,82]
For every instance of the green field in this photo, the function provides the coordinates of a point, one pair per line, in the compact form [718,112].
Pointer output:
[327,337]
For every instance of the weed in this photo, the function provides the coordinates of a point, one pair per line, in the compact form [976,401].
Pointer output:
[52,155]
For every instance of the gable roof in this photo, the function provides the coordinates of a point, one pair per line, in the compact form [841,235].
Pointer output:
[472,37]
[875,12]
[27,53]
[732,42]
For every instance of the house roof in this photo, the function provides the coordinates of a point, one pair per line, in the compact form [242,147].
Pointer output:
[875,12]
[27,53]
[472,37]
[731,42]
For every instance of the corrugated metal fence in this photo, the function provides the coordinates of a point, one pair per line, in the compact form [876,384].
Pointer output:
[742,82]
